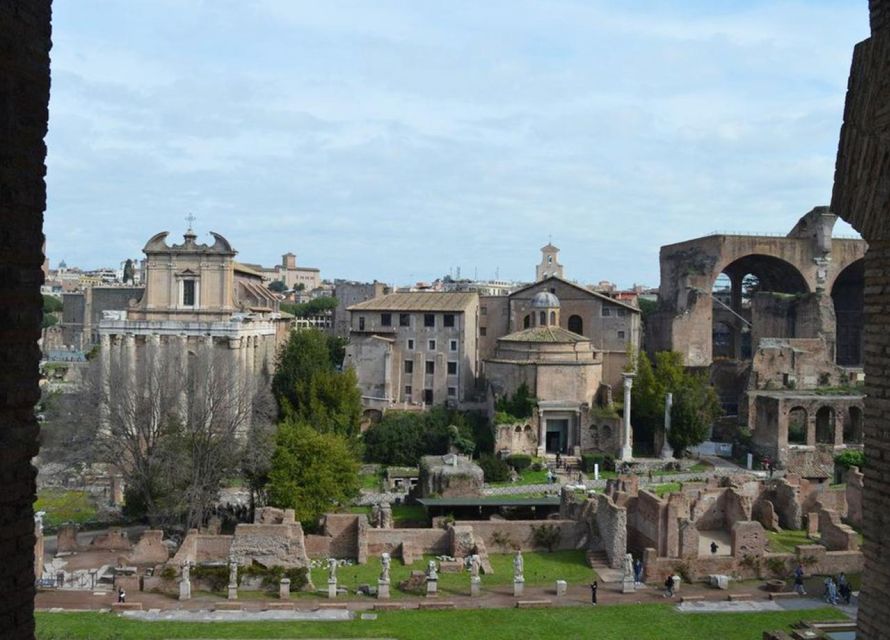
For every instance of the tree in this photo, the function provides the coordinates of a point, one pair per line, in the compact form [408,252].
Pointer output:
[309,389]
[311,472]
[402,437]
[520,405]
[129,272]
[695,404]
[277,286]
[316,306]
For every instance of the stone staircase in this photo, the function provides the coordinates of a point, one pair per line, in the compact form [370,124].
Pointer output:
[599,562]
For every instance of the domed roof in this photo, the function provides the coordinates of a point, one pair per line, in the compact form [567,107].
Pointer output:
[545,300]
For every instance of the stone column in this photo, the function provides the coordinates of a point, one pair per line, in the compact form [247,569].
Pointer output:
[284,589]
[105,355]
[542,434]
[667,453]
[626,452]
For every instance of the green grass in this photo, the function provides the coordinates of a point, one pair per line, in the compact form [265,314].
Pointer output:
[662,489]
[641,622]
[65,505]
[370,481]
[540,569]
[527,476]
[786,540]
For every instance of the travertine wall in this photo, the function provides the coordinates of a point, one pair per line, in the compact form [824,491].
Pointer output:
[24,97]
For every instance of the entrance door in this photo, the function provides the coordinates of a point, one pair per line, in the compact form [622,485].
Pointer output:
[557,434]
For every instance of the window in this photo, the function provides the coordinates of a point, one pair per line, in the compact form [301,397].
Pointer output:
[429,320]
[361,323]
[483,311]
[576,325]
[409,366]
[386,319]
[411,344]
[481,331]
[542,318]
[188,293]
[428,396]
[448,320]
[621,335]
[431,345]
[621,312]
[526,322]
[452,368]
[606,312]
[452,392]
[408,390]
[430,367]
[452,345]
[404,320]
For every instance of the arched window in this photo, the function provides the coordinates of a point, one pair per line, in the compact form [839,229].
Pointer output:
[797,426]
[553,317]
[576,325]
[526,322]
[542,319]
[853,427]
[825,425]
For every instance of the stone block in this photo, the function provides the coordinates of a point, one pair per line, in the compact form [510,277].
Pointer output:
[561,588]
[332,589]
[719,581]
[382,590]
[126,606]
[736,597]
[518,588]
[432,588]
[533,604]
[185,590]
[441,604]
[284,589]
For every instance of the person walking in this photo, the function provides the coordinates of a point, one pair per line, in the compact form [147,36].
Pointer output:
[798,581]
[669,587]
[593,587]
[714,547]
[830,591]
[638,572]
[121,595]
[843,588]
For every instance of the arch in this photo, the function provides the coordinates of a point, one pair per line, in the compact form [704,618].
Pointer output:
[732,291]
[576,324]
[797,426]
[605,433]
[853,427]
[527,428]
[825,419]
[542,319]
[552,318]
[527,322]
[847,297]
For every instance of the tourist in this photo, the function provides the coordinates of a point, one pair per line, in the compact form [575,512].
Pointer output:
[638,572]
[593,587]
[714,547]
[668,587]
[843,588]
[830,591]
[798,581]
[121,595]
[558,459]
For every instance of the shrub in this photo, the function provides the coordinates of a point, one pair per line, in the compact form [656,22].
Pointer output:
[537,466]
[168,573]
[776,566]
[606,463]
[519,461]
[271,576]
[217,576]
[495,469]
[547,536]
[850,458]
[503,540]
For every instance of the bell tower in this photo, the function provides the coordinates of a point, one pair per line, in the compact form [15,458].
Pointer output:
[549,263]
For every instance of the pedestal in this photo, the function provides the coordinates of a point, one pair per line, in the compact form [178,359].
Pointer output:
[561,588]
[332,589]
[518,587]
[628,585]
[233,592]
[432,588]
[185,590]
[383,589]
[284,589]
[475,586]
[626,453]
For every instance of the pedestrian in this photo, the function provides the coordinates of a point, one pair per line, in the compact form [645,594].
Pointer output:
[831,588]
[121,595]
[714,547]
[593,587]
[638,572]
[669,587]
[558,459]
[798,581]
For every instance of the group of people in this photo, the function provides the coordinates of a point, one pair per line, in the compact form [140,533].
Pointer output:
[837,589]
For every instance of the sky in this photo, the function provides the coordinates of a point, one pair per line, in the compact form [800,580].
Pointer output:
[399,141]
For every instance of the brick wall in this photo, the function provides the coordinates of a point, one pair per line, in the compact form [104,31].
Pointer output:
[343,531]
[24,98]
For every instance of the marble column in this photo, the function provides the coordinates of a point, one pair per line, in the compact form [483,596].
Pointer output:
[626,452]
[542,434]
[667,453]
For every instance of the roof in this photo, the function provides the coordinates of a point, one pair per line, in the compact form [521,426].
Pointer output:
[593,293]
[249,269]
[549,247]
[490,501]
[419,301]
[544,334]
[545,300]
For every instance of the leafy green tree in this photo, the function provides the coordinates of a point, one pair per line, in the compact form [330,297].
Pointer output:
[695,405]
[129,272]
[311,472]
[520,405]
[308,388]
[51,304]
[313,307]
[277,286]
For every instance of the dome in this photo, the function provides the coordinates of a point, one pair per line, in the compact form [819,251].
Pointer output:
[545,300]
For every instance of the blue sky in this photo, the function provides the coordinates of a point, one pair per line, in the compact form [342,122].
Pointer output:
[399,140]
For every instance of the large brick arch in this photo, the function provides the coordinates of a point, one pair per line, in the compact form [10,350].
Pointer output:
[861,196]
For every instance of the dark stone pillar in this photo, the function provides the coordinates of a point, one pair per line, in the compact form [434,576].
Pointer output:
[24,99]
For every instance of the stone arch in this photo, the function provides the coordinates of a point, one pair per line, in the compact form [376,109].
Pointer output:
[825,421]
[605,433]
[517,429]
[847,296]
[576,324]
[733,288]
[527,322]
[853,426]
[797,425]
[552,318]
[542,318]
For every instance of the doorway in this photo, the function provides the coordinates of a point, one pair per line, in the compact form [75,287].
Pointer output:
[557,435]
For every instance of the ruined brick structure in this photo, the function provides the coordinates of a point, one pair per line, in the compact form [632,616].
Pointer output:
[862,196]
[24,98]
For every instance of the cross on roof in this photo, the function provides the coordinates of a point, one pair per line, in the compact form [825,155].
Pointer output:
[190,218]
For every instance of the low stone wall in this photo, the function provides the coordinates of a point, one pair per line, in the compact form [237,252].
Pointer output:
[419,541]
[572,534]
[342,528]
[834,535]
[318,546]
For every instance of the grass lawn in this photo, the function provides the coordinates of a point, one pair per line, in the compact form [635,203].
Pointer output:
[619,622]
[65,505]
[786,540]
[370,481]
[662,489]
[527,476]
[540,568]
